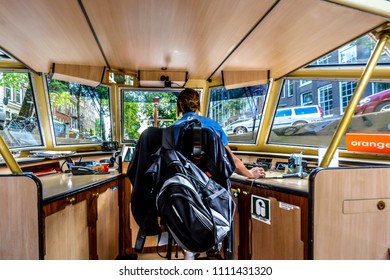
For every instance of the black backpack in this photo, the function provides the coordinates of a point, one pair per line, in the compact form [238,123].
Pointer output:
[148,169]
[197,211]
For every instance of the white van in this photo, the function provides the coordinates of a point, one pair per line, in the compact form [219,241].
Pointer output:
[297,115]
[284,117]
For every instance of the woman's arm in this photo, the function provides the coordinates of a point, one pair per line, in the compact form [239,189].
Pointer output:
[255,172]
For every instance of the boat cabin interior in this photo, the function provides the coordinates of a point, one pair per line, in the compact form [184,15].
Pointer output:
[301,88]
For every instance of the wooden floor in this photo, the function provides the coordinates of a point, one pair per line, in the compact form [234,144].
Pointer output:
[162,256]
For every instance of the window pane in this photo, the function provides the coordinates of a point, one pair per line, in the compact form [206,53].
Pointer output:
[314,125]
[81,114]
[139,107]
[355,52]
[19,124]
[238,111]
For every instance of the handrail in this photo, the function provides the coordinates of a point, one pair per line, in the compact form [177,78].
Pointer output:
[9,158]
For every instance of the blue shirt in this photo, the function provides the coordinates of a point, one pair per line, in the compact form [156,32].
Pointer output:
[206,122]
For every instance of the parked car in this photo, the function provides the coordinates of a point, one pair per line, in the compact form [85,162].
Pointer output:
[74,133]
[94,138]
[377,102]
[242,126]
[59,128]
[283,117]
[297,115]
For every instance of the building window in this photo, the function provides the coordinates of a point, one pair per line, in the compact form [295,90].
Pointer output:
[8,93]
[304,82]
[346,90]
[347,54]
[288,89]
[325,99]
[307,98]
[324,60]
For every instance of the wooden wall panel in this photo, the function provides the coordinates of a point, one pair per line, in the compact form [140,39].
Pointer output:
[341,231]
[19,219]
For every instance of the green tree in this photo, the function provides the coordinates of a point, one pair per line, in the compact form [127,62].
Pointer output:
[19,81]
[139,106]
[131,119]
[58,93]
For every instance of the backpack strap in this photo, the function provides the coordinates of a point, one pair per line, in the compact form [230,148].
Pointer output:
[196,141]
[196,128]
[168,140]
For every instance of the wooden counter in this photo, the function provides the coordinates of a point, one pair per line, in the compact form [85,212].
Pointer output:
[79,217]
[56,186]
[274,180]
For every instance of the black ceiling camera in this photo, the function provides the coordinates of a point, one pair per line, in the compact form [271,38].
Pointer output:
[167,82]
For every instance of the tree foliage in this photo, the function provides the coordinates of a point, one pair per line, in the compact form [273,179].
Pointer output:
[139,110]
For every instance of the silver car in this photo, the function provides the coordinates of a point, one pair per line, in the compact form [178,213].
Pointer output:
[242,126]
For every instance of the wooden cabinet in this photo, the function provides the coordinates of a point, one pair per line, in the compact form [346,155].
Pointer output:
[66,233]
[85,225]
[107,224]
[283,237]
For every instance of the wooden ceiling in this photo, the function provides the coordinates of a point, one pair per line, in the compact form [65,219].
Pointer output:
[202,37]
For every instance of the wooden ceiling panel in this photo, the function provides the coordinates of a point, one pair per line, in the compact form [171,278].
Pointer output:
[298,32]
[42,32]
[192,35]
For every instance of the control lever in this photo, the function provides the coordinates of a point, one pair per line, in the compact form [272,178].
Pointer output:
[295,175]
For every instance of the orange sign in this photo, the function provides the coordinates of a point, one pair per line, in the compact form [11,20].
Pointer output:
[369,142]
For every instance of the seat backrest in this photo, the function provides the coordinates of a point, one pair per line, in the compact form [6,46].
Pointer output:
[214,158]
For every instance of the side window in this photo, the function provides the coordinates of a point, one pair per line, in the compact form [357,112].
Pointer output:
[19,123]
[306,110]
[314,125]
[80,114]
[238,111]
[283,113]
